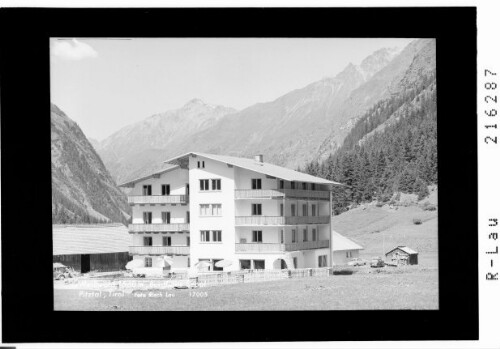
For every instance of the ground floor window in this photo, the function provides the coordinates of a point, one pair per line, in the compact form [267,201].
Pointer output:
[215,267]
[245,264]
[259,264]
[322,261]
[348,254]
[148,262]
[295,262]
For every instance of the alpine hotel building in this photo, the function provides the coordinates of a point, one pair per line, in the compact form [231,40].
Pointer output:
[205,207]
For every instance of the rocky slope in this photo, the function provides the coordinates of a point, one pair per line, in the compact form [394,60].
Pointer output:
[83,191]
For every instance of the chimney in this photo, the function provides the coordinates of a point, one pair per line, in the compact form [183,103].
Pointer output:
[259,158]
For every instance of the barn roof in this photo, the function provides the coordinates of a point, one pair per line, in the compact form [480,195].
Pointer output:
[90,238]
[341,243]
[260,167]
[403,248]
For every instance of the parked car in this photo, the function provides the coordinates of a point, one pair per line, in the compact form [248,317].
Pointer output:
[354,262]
[377,262]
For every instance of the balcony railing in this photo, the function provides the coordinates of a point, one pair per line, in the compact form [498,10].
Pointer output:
[159,250]
[158,199]
[279,220]
[148,228]
[275,247]
[260,220]
[277,193]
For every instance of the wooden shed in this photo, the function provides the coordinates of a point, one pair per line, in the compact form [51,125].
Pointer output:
[91,247]
[403,255]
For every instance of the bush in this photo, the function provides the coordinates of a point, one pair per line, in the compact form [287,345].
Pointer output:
[343,272]
[417,221]
[379,204]
[429,207]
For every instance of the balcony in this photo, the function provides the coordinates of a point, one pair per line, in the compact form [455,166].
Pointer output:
[158,199]
[281,193]
[159,250]
[279,220]
[277,248]
[150,228]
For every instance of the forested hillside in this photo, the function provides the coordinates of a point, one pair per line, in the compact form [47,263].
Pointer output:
[392,148]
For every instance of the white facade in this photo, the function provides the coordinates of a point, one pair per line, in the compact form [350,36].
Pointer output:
[219,211]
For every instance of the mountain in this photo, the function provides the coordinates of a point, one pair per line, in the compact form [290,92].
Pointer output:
[82,189]
[140,147]
[392,147]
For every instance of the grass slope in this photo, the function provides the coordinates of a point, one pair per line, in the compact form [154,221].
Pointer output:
[379,229]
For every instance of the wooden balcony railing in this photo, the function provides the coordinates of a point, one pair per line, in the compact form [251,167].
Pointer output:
[277,193]
[260,220]
[158,199]
[159,250]
[258,247]
[148,228]
[292,220]
[279,220]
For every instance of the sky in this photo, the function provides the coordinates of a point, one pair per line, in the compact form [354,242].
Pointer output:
[106,84]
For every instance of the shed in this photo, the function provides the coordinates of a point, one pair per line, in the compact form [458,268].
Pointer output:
[89,247]
[403,255]
[343,249]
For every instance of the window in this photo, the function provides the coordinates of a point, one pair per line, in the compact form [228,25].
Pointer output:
[201,164]
[314,237]
[147,217]
[146,190]
[256,209]
[165,217]
[148,241]
[257,236]
[204,184]
[188,241]
[216,210]
[348,254]
[256,183]
[282,236]
[210,209]
[304,210]
[282,184]
[259,264]
[313,210]
[304,186]
[148,262]
[198,164]
[313,186]
[188,217]
[294,235]
[189,262]
[167,241]
[292,185]
[205,235]
[217,235]
[295,262]
[245,264]
[165,189]
[322,261]
[215,184]
[282,212]
[293,209]
[305,235]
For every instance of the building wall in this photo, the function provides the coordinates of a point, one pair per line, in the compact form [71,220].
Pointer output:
[177,213]
[225,223]
[180,262]
[177,179]
[340,257]
[98,261]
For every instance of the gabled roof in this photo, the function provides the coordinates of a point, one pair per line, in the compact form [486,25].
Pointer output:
[403,248]
[341,243]
[156,173]
[261,167]
[90,238]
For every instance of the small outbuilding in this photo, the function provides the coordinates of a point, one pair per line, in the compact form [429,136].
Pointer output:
[403,255]
[89,247]
[343,249]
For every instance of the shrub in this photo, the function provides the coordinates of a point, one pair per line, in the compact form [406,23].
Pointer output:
[343,272]
[417,221]
[429,207]
[379,204]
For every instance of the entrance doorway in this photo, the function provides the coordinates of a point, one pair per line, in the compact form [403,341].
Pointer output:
[85,263]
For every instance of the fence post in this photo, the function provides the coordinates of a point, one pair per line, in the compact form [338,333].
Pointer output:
[310,272]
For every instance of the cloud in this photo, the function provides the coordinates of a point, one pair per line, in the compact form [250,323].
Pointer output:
[73,50]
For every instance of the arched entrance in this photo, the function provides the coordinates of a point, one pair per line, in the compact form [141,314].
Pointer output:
[279,264]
